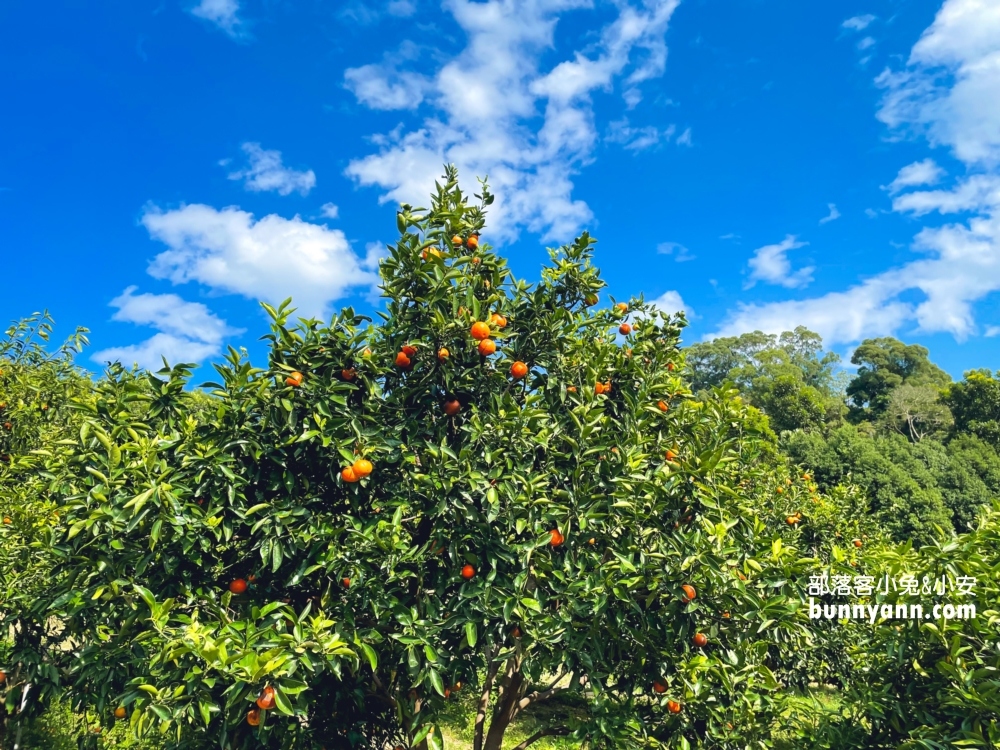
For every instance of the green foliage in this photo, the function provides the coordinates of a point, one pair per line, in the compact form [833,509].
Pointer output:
[356,614]
[903,493]
[975,405]
[885,364]
[788,377]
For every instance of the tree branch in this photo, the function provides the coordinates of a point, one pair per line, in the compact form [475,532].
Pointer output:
[541,695]
[542,733]
[484,698]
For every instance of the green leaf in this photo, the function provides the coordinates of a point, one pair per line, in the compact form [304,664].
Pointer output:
[436,681]
[470,634]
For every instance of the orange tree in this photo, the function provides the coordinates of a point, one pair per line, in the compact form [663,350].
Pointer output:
[35,389]
[487,491]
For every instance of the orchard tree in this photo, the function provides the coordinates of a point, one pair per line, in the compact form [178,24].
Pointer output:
[484,492]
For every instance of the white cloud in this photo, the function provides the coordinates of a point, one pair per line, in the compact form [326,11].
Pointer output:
[637,139]
[223,13]
[950,93]
[684,139]
[269,259]
[992,331]
[865,44]
[488,98]
[671,302]
[858,23]
[676,249]
[770,264]
[832,216]
[188,331]
[871,213]
[925,172]
[979,192]
[950,90]
[402,8]
[330,211]
[266,173]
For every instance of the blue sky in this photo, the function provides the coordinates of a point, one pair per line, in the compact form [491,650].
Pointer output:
[764,164]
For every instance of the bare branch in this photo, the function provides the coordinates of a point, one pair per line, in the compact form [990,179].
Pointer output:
[542,733]
[541,695]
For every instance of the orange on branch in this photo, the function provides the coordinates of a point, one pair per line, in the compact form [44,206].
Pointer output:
[487,347]
[480,330]
[238,586]
[452,407]
[468,572]
[518,370]
[349,475]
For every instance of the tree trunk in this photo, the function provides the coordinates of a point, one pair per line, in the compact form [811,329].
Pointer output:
[510,694]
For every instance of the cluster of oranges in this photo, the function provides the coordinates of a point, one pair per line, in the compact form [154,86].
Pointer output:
[357,471]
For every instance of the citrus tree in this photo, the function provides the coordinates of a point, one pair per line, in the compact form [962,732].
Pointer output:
[36,387]
[499,488]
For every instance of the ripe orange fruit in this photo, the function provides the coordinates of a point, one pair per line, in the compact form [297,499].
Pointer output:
[468,571]
[621,307]
[673,707]
[591,541]
[791,520]
[7,521]
[659,687]
[779,489]
[662,405]
[670,366]
[607,386]
[516,632]
[443,354]
[266,699]
[253,717]
[456,241]
[251,578]
[598,388]
[480,330]
[590,299]
[346,582]
[518,370]
[476,261]
[726,614]
[487,347]
[7,425]
[238,586]
[362,467]
[624,329]
[556,538]
[689,592]
[409,350]
[402,360]
[97,730]
[671,455]
[120,712]
[447,693]
[473,242]
[857,542]
[294,379]
[349,475]
[456,687]
[452,407]
[367,353]
[3,677]
[806,477]
[700,640]
[498,320]
[348,373]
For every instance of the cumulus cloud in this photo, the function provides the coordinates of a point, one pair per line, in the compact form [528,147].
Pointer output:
[925,172]
[266,172]
[949,92]
[498,111]
[858,23]
[187,331]
[671,302]
[224,14]
[770,264]
[832,216]
[268,259]
[330,211]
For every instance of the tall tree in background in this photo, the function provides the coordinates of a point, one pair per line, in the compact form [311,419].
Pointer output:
[975,405]
[885,364]
[788,377]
